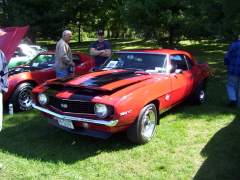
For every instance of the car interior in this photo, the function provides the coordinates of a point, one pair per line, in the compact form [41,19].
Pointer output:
[178,62]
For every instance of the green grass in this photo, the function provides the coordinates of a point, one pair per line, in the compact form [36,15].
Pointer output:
[192,142]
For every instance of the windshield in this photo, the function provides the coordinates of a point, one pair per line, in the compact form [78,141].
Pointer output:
[42,60]
[45,60]
[149,62]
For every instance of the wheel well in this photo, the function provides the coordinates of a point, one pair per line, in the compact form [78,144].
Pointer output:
[200,82]
[205,84]
[157,104]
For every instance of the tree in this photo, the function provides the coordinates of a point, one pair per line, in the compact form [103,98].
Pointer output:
[221,18]
[47,18]
[156,19]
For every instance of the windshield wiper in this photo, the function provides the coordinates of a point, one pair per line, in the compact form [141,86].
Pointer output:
[134,69]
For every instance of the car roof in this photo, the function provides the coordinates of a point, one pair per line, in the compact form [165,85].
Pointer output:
[10,41]
[164,51]
[160,51]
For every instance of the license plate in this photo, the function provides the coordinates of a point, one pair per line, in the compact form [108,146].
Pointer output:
[65,122]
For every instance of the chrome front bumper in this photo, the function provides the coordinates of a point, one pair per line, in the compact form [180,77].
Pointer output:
[101,122]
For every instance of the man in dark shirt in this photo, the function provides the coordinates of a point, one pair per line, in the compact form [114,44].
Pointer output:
[232,63]
[100,49]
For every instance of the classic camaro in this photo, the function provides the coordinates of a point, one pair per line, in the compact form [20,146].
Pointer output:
[22,79]
[129,92]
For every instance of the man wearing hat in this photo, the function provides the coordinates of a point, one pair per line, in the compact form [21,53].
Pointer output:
[100,49]
[3,81]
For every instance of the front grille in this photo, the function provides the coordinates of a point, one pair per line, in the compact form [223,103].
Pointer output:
[72,106]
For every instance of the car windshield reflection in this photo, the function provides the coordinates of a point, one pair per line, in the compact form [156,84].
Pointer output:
[149,62]
[42,61]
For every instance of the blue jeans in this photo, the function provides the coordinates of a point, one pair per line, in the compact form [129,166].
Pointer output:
[233,85]
[61,73]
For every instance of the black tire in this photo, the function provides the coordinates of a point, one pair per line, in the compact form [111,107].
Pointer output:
[199,95]
[143,128]
[21,97]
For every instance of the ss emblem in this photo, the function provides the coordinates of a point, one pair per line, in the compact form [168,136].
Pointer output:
[64,105]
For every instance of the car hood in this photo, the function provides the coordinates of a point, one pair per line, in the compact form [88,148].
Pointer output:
[103,80]
[10,41]
[21,69]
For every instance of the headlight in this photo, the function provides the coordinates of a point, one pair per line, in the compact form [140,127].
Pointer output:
[102,110]
[42,99]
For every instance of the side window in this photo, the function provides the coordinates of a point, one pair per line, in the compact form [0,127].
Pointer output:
[76,59]
[189,62]
[178,62]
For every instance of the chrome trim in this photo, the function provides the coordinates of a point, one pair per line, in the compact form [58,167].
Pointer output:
[106,123]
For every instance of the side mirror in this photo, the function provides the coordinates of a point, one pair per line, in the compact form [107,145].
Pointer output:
[178,71]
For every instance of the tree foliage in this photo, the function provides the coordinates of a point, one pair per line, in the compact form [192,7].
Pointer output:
[156,19]
[45,17]
[167,22]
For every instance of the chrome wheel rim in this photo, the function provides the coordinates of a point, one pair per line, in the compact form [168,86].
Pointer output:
[25,98]
[202,95]
[148,124]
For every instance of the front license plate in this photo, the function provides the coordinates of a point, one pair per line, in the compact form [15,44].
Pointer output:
[66,123]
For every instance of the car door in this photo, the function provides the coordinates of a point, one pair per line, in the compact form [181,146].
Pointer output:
[181,78]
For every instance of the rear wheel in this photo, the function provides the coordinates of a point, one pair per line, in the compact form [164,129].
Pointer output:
[199,95]
[143,128]
[21,97]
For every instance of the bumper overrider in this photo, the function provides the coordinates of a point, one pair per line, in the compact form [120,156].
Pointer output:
[78,130]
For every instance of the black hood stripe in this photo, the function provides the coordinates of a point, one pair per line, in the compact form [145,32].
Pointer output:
[67,79]
[105,79]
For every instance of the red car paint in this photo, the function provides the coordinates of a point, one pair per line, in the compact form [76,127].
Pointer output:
[135,86]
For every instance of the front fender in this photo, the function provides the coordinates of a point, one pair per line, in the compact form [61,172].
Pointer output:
[14,81]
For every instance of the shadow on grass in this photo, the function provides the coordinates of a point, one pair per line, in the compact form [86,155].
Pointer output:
[221,151]
[222,154]
[34,138]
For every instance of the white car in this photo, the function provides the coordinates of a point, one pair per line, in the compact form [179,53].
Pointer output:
[39,48]
[23,54]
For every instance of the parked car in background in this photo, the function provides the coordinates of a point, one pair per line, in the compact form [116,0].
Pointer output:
[22,79]
[128,93]
[23,54]
[39,48]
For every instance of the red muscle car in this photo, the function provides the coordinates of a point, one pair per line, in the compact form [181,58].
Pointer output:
[22,79]
[128,93]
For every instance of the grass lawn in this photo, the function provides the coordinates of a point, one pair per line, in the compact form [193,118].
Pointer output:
[192,142]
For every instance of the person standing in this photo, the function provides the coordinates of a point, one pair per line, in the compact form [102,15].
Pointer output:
[27,41]
[3,79]
[100,49]
[232,63]
[3,82]
[63,55]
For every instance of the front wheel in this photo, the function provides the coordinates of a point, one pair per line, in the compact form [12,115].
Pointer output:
[21,97]
[143,128]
